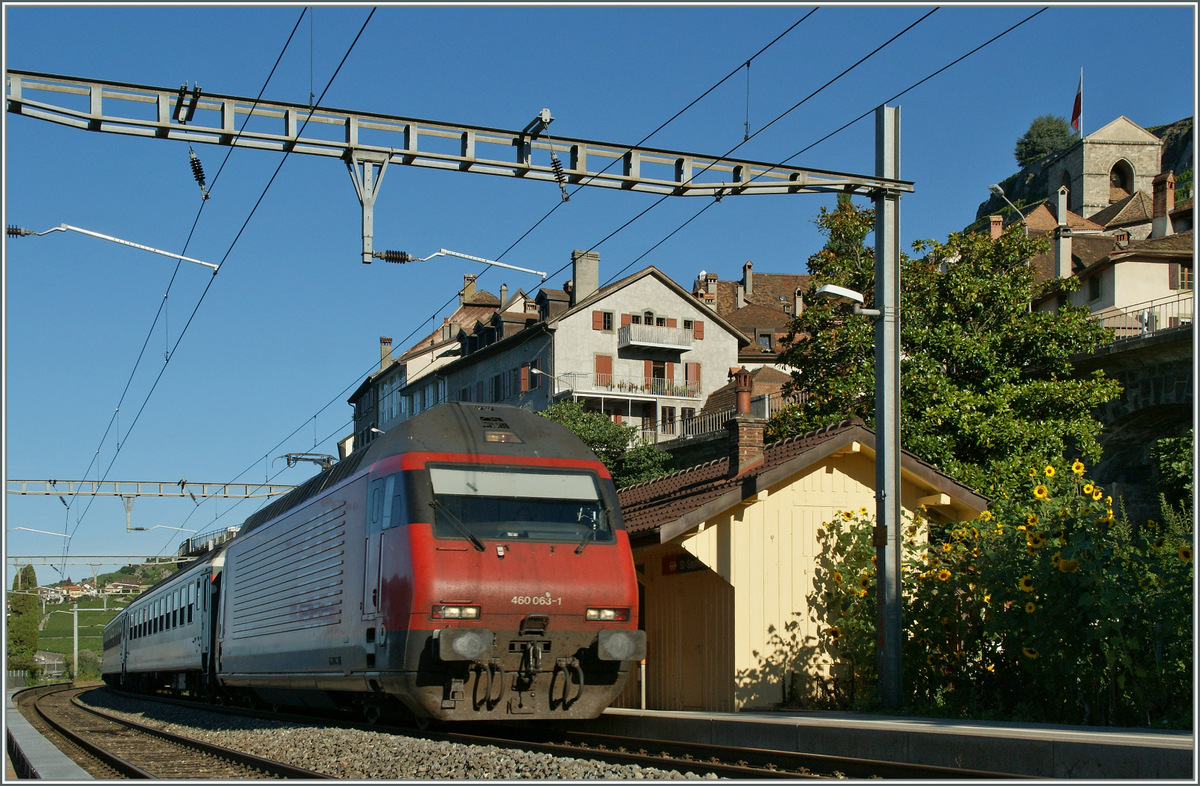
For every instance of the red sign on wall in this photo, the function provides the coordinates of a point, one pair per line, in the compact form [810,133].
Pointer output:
[683,562]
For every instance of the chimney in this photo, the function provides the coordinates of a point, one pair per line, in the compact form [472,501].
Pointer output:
[745,430]
[996,224]
[1062,237]
[799,303]
[1164,203]
[585,275]
[503,295]
[468,290]
[385,352]
[748,277]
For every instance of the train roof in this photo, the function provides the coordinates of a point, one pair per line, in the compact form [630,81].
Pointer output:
[452,427]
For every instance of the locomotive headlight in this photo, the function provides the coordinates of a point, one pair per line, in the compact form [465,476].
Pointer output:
[441,612]
[607,615]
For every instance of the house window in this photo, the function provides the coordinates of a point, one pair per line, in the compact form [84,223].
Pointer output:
[668,420]
[635,319]
[1094,287]
[648,318]
[602,320]
[1185,277]
[535,380]
[764,340]
[689,325]
[661,321]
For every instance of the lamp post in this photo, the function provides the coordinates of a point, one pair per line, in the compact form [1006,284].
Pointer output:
[557,381]
[998,191]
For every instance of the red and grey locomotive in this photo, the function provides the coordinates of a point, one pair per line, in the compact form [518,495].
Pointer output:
[470,563]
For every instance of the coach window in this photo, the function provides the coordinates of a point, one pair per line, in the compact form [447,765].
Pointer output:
[175,609]
[398,510]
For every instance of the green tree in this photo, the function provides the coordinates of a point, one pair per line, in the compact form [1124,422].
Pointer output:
[23,620]
[1046,134]
[611,443]
[986,383]
[1174,470]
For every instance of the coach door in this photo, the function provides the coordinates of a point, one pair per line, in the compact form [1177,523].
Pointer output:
[378,512]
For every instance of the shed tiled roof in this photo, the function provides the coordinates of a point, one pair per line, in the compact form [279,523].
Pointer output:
[686,498]
[763,379]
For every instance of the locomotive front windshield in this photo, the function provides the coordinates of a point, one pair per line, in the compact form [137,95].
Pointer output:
[482,503]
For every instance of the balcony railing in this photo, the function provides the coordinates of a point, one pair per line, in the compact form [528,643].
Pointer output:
[654,336]
[763,406]
[1148,318]
[637,385]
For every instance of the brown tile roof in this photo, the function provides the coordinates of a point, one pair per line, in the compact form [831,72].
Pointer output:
[464,316]
[668,506]
[1086,252]
[752,316]
[1137,208]
[763,379]
[1042,218]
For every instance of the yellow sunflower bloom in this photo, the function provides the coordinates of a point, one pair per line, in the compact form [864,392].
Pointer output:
[1030,607]
[985,515]
[847,515]
[1049,471]
[1088,488]
[834,632]
[837,578]
[943,575]
[1108,500]
[987,599]
[864,581]
[1027,583]
[1041,492]
[1097,495]
[946,547]
[1032,472]
[1068,565]
[1077,467]
[1031,520]
[1185,554]
[1029,652]
[863,510]
[862,593]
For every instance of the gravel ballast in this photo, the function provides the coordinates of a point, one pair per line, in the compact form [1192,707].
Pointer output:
[359,755]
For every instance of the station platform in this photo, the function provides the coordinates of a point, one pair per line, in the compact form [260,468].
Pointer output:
[1018,749]
[29,755]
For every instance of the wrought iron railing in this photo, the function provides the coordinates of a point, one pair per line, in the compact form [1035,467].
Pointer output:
[653,336]
[763,406]
[1148,318]
[639,385]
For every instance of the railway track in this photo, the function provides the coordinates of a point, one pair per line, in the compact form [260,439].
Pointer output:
[664,755]
[109,747]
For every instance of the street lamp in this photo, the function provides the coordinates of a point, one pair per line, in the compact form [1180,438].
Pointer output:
[557,380]
[40,532]
[998,191]
[402,257]
[22,232]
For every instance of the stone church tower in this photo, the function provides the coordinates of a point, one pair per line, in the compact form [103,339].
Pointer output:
[1107,166]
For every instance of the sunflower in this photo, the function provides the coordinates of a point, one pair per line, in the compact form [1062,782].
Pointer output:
[1097,495]
[946,547]
[1088,488]
[1027,583]
[1030,607]
[1029,652]
[864,581]
[1049,471]
[1032,472]
[943,575]
[862,593]
[1185,554]
[863,510]
[1041,492]
[1158,544]
[1077,467]
[985,515]
[837,577]
[1031,520]
[847,515]
[1068,565]
[834,632]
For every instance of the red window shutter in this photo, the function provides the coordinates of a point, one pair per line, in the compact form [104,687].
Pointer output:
[672,322]
[597,320]
[692,372]
[626,319]
[604,369]
[670,372]
[1172,275]
[649,372]
[698,329]
[617,417]
[524,377]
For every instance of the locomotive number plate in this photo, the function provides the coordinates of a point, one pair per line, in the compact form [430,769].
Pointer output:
[536,600]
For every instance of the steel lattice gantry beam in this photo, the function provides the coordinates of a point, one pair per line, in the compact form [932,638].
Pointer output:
[145,488]
[367,143]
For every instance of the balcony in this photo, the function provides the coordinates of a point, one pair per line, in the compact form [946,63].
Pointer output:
[654,337]
[1149,318]
[637,385]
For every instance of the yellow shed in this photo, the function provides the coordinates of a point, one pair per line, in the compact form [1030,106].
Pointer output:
[726,552]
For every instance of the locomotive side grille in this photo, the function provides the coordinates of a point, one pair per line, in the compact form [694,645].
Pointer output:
[292,582]
[534,625]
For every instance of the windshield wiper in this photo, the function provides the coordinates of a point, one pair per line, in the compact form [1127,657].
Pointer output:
[590,535]
[437,504]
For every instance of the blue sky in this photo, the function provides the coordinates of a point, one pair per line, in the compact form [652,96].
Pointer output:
[291,324]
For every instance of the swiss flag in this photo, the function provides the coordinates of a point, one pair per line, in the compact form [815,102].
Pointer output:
[1077,112]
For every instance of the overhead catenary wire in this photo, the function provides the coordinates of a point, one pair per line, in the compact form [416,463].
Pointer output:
[238,236]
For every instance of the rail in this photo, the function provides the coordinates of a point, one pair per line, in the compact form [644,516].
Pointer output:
[1148,318]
